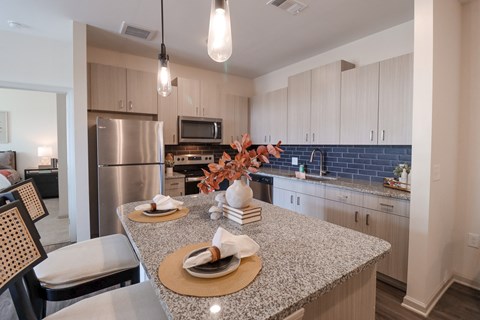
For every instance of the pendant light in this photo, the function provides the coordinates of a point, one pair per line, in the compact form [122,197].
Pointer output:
[164,79]
[220,32]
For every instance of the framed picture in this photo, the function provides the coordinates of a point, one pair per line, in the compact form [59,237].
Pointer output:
[3,127]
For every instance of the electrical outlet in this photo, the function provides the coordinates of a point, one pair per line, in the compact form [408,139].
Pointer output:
[294,161]
[473,240]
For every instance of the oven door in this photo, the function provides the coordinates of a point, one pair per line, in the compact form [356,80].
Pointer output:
[191,185]
[200,130]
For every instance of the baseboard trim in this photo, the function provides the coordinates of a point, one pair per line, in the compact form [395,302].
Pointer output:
[466,282]
[424,309]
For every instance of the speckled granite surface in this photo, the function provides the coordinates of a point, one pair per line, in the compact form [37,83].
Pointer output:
[303,258]
[175,175]
[356,185]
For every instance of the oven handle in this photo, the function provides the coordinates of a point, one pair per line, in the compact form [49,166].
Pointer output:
[193,179]
[215,130]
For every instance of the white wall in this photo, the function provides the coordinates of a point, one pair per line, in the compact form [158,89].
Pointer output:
[386,44]
[467,259]
[436,103]
[32,122]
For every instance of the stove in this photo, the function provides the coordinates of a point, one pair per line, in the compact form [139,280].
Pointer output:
[191,166]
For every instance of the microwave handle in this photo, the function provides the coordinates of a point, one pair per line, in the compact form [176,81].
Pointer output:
[215,130]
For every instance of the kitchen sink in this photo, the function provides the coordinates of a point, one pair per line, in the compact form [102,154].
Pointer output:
[317,178]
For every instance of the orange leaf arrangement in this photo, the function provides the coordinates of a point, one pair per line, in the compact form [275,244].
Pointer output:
[244,163]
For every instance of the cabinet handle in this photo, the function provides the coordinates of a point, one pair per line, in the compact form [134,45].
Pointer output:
[383,135]
[356,216]
[313,137]
[196,111]
[371,135]
[291,199]
[368,215]
[265,140]
[306,137]
[298,201]
[203,111]
[269,138]
[130,105]
[174,184]
[174,137]
[386,205]
[181,193]
[120,104]
[232,138]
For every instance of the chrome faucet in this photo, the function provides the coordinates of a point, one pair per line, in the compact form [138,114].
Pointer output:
[322,156]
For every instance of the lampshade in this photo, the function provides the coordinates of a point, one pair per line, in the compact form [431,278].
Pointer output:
[45,151]
[220,32]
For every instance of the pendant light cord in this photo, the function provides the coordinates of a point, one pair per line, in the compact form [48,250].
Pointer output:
[161,10]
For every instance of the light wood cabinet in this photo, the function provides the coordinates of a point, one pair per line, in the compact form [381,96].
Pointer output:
[284,198]
[299,97]
[396,101]
[268,117]
[359,105]
[121,90]
[167,112]
[210,106]
[344,214]
[235,115]
[325,102]
[188,96]
[175,187]
[241,116]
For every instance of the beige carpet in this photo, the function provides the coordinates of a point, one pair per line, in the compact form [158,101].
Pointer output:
[53,229]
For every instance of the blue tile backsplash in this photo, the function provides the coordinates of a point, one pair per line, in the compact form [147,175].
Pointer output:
[371,163]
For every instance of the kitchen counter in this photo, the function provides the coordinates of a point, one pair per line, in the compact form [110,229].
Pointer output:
[376,188]
[175,175]
[304,260]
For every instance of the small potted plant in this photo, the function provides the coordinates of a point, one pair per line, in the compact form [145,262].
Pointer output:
[238,169]
[169,163]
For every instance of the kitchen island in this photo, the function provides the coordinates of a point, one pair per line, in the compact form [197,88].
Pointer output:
[327,269]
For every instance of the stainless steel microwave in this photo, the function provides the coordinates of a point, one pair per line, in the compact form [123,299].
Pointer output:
[199,130]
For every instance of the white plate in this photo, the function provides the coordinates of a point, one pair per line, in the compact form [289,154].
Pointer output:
[152,214]
[232,266]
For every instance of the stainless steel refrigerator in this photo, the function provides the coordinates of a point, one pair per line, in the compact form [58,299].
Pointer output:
[130,158]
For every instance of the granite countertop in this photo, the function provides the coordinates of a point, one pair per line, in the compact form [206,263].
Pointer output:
[175,175]
[303,258]
[376,188]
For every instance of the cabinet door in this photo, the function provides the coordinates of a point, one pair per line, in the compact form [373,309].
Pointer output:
[210,100]
[344,215]
[259,122]
[188,97]
[284,198]
[298,123]
[396,101]
[228,116]
[325,105]
[359,105]
[310,206]
[141,92]
[167,112]
[241,116]
[108,88]
[394,229]
[276,116]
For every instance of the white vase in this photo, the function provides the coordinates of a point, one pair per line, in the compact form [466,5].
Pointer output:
[239,194]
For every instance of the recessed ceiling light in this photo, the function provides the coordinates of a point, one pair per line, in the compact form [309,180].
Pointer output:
[15,24]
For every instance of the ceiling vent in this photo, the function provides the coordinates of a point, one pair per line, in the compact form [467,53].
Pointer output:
[291,6]
[137,31]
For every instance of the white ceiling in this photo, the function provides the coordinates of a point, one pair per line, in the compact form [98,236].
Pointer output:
[265,38]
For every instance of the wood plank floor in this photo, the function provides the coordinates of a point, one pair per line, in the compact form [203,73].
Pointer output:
[459,302]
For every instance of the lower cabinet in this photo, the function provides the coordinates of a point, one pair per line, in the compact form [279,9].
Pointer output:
[302,203]
[175,187]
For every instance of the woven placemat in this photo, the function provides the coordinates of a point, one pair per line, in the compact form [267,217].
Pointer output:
[174,277]
[138,216]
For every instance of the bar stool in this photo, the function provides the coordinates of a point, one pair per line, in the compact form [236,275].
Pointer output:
[81,268]
[21,251]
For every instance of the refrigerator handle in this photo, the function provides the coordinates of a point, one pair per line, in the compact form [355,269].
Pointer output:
[215,130]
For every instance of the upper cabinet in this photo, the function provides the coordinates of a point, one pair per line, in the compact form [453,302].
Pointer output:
[376,105]
[314,105]
[235,115]
[268,117]
[122,90]
[198,98]
[359,107]
[167,112]
[396,101]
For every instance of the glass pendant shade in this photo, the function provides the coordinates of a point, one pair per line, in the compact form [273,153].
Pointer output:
[164,79]
[220,32]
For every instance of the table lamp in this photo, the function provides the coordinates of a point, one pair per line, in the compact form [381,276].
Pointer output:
[44,154]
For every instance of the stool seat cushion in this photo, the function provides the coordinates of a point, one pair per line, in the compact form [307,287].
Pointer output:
[85,261]
[133,302]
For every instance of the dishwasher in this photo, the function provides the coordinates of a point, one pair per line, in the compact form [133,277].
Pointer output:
[262,187]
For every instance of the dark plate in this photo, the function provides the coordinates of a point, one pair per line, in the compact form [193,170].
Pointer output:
[219,265]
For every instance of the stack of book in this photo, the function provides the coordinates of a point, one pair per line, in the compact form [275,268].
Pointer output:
[243,215]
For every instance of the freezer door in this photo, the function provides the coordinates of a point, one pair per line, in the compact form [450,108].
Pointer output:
[121,141]
[118,185]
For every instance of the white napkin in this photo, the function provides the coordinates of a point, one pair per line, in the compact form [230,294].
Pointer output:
[241,246]
[162,202]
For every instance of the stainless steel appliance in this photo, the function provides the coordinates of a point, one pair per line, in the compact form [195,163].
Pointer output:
[191,166]
[262,187]
[130,158]
[199,130]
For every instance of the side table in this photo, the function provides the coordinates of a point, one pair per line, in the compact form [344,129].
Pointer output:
[46,181]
